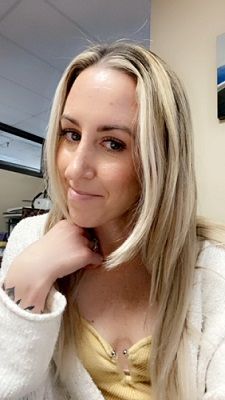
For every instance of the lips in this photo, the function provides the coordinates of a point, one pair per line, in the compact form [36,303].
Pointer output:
[84,193]
[75,194]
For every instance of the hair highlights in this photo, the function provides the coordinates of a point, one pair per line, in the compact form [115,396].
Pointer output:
[164,225]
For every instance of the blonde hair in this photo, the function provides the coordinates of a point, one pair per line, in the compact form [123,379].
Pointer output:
[164,228]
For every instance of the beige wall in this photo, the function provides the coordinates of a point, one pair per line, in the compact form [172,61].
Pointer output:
[184,33]
[14,188]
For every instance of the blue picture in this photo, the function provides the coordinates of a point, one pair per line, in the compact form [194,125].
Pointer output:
[221,75]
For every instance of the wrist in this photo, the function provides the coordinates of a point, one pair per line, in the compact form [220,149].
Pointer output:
[30,296]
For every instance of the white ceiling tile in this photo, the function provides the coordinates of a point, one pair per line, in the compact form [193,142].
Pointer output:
[19,66]
[109,20]
[22,99]
[33,125]
[21,120]
[10,115]
[44,116]
[6,6]
[37,27]
[39,38]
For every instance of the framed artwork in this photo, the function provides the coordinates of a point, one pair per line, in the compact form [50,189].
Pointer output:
[21,151]
[221,76]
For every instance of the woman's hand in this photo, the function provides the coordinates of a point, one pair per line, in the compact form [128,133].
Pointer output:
[63,250]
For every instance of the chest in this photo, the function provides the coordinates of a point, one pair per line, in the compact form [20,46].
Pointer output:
[117,308]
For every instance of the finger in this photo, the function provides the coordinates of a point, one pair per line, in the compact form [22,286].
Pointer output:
[96,258]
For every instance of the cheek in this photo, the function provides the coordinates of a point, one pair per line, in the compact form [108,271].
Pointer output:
[122,181]
[61,165]
[61,162]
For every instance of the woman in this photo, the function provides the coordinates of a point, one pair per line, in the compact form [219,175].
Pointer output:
[145,292]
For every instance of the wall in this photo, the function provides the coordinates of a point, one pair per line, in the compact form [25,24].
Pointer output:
[14,188]
[184,33]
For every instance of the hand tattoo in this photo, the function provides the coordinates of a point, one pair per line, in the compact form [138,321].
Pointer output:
[11,294]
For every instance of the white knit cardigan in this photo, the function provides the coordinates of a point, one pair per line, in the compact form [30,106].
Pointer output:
[28,341]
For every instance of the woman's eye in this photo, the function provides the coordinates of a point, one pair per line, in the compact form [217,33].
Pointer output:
[71,136]
[114,144]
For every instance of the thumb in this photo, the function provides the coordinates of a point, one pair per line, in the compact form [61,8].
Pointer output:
[96,258]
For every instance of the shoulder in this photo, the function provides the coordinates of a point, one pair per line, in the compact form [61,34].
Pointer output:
[211,267]
[27,231]
[211,347]
[31,226]
[211,259]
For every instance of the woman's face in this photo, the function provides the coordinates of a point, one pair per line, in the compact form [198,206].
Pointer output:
[94,158]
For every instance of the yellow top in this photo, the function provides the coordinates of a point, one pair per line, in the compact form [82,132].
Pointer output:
[99,359]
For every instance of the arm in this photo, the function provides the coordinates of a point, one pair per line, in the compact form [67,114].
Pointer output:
[63,250]
[212,351]
[216,375]
[27,339]
[27,343]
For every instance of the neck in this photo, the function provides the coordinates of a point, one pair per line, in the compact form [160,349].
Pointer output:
[110,237]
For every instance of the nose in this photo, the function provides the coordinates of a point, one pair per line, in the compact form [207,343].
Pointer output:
[81,164]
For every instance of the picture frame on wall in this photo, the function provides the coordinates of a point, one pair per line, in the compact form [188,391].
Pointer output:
[221,76]
[21,151]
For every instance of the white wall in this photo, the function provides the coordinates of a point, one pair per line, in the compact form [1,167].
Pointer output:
[184,33]
[14,188]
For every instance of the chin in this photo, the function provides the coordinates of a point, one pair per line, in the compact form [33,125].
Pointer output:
[84,222]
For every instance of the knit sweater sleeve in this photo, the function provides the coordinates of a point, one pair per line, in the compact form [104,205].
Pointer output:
[212,353]
[27,341]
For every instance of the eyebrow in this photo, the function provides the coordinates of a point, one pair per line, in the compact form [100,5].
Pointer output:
[102,128]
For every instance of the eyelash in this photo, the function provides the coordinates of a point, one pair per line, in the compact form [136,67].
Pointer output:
[65,133]
[122,145]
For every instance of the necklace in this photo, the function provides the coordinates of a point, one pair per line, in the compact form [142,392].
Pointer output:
[95,245]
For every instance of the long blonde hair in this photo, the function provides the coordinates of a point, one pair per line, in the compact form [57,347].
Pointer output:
[164,230]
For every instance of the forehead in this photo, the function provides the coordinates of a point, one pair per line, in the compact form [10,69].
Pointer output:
[101,85]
